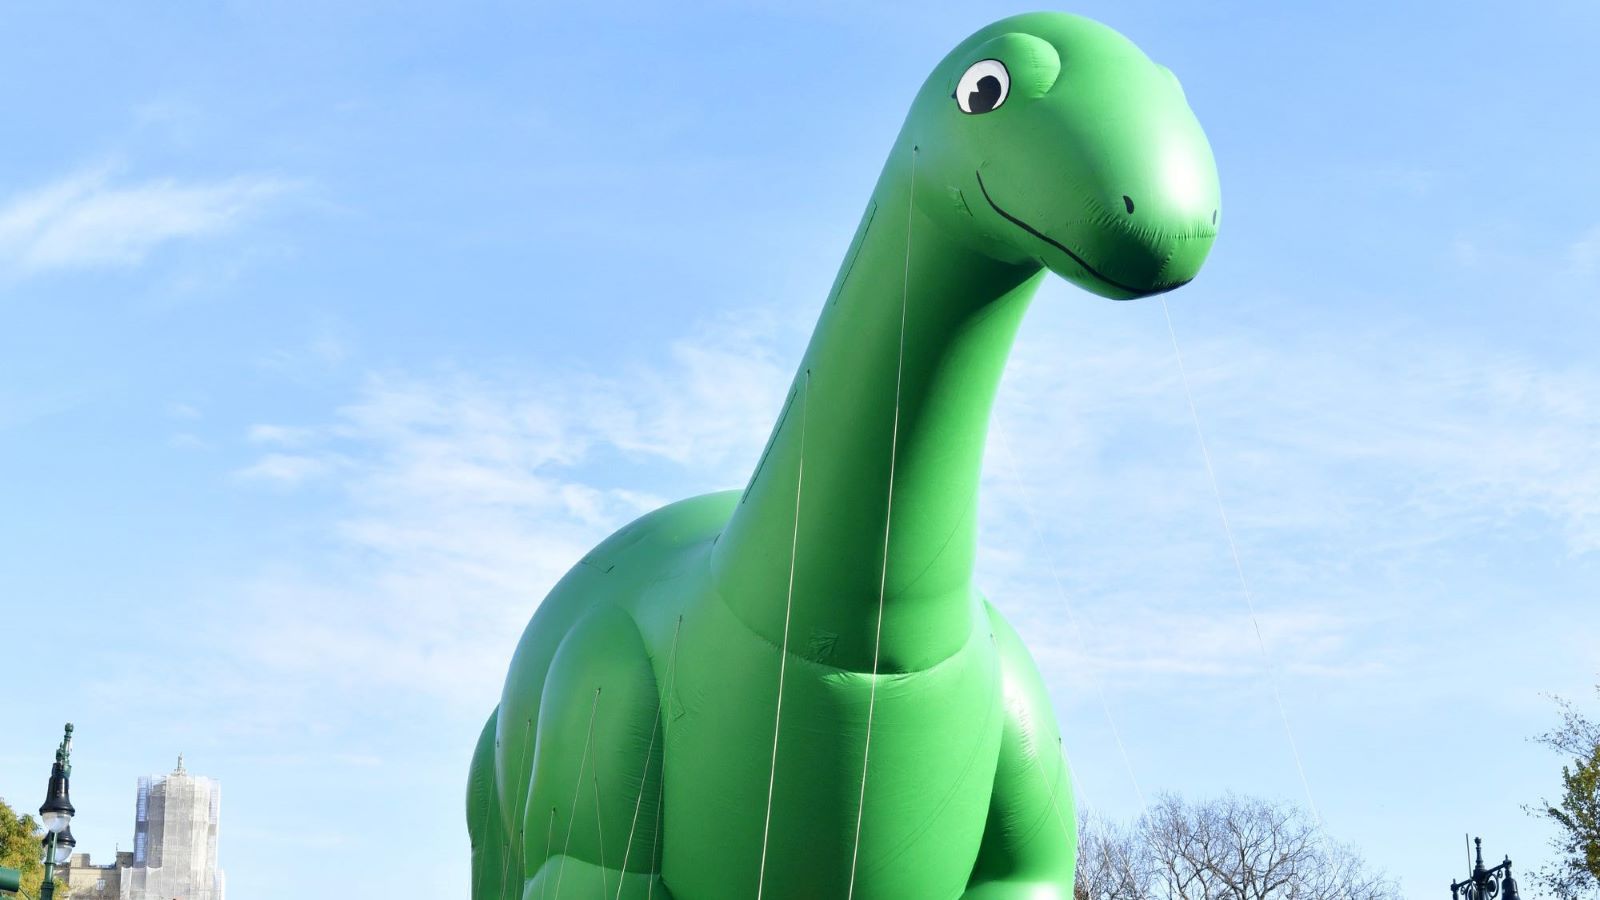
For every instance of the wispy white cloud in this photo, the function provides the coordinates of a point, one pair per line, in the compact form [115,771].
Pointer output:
[286,468]
[307,760]
[1584,254]
[298,840]
[323,352]
[466,495]
[280,435]
[1151,644]
[1343,470]
[88,219]
[184,440]
[1303,433]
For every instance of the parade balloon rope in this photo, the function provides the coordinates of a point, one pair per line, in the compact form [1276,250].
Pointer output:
[1072,618]
[1238,567]
[1054,789]
[783,655]
[672,669]
[572,814]
[549,838]
[505,864]
[888,518]
[599,824]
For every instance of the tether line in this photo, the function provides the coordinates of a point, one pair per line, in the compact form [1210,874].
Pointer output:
[1072,618]
[1079,791]
[1053,790]
[1070,776]
[599,825]
[577,791]
[783,655]
[517,813]
[672,662]
[888,515]
[549,838]
[1238,567]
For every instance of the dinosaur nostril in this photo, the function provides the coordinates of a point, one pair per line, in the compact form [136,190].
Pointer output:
[1213,217]
[1128,202]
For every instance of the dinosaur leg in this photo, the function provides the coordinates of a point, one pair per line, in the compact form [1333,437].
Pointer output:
[1029,847]
[590,829]
[490,847]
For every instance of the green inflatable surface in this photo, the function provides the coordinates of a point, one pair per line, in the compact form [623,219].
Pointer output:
[796,691]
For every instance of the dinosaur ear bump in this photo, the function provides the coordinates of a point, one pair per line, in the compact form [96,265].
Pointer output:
[1032,64]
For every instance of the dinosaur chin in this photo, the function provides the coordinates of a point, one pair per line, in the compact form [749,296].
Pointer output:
[1125,263]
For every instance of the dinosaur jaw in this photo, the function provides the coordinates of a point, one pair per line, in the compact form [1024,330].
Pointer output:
[1072,264]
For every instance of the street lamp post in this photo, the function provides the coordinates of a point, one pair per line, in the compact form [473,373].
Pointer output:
[56,814]
[1484,884]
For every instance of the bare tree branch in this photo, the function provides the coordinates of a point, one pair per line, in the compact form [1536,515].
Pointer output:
[1231,848]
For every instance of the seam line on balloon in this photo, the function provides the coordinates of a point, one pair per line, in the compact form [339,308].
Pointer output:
[850,266]
[661,792]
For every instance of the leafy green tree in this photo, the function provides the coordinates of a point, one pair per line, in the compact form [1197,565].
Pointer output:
[21,849]
[1575,874]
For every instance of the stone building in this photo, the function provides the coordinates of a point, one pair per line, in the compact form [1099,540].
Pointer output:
[91,882]
[174,846]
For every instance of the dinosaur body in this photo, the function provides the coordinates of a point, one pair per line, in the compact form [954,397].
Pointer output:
[796,691]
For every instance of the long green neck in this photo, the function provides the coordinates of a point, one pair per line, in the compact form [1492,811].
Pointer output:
[960,311]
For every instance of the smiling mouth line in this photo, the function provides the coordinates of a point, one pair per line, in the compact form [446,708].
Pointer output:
[1142,292]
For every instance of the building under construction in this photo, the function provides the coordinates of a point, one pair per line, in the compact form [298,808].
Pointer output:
[174,845]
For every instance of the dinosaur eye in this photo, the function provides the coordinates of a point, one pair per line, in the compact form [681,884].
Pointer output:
[984,87]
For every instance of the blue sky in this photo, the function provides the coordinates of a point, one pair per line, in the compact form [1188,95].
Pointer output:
[331,334]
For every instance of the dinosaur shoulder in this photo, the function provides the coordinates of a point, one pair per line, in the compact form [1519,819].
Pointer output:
[597,602]
[662,531]
[649,549]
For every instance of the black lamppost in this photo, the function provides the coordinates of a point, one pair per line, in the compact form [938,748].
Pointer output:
[56,814]
[1484,884]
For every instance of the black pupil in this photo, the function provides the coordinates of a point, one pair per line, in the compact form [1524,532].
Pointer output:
[986,96]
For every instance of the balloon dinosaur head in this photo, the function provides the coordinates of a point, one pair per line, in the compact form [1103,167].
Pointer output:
[1051,138]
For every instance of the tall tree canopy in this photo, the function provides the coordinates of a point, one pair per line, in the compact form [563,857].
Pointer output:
[21,849]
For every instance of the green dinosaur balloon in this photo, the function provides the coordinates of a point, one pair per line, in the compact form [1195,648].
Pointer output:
[796,692]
